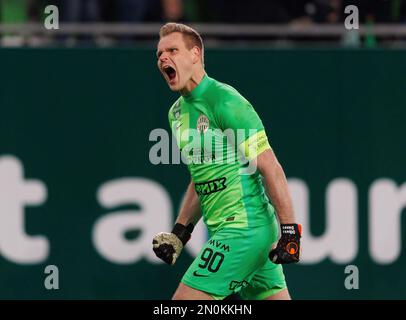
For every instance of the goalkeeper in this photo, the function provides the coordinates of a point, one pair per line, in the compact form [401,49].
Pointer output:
[243,254]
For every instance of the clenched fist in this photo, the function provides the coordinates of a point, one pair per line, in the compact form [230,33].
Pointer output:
[168,246]
[288,248]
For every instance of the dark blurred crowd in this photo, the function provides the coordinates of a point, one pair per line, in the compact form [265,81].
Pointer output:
[213,11]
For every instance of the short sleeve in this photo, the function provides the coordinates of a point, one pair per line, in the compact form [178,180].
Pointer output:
[237,116]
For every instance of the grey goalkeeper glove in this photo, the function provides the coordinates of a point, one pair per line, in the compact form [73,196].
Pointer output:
[168,246]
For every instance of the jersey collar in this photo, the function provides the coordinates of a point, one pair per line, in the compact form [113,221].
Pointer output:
[200,88]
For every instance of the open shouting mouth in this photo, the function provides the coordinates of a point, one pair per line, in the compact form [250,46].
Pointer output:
[170,73]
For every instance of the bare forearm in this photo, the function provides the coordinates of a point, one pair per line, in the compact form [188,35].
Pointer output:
[277,187]
[278,192]
[190,211]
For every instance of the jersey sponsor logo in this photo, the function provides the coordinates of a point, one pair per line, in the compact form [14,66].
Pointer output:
[202,123]
[199,275]
[200,156]
[218,244]
[237,284]
[209,187]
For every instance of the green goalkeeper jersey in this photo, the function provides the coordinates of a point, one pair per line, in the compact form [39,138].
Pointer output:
[218,133]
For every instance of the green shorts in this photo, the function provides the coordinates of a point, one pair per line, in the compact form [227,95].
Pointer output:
[236,261]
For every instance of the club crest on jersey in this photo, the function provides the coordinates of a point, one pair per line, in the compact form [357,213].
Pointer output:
[202,123]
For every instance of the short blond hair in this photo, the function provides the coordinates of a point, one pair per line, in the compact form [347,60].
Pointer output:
[190,36]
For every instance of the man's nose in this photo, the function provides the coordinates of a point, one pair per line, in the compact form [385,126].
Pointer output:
[163,57]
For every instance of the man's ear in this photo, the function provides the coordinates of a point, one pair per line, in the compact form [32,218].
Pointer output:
[196,54]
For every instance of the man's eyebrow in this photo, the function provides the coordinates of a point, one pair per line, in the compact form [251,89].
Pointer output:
[159,52]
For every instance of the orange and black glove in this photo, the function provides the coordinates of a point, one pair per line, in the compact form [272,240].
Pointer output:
[288,248]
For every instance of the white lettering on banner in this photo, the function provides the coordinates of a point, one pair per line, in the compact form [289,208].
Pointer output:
[155,215]
[15,194]
[340,240]
[386,202]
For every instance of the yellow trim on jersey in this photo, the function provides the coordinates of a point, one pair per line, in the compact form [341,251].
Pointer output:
[253,146]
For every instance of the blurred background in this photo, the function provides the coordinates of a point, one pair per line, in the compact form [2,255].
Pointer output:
[79,106]
[277,23]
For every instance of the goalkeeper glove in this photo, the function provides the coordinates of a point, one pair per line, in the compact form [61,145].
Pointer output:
[168,246]
[288,248]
